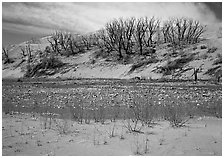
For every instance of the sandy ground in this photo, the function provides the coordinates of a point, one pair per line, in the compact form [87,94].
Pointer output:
[23,134]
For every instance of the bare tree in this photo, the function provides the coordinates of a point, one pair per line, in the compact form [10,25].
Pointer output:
[198,30]
[64,40]
[114,31]
[65,43]
[29,55]
[95,39]
[86,39]
[128,33]
[152,24]
[23,50]
[140,34]
[78,44]
[5,55]
[181,31]
[104,41]
[166,32]
[54,42]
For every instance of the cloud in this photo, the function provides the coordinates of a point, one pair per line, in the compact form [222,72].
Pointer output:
[86,17]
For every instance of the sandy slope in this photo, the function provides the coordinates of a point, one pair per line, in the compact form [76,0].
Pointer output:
[24,135]
[81,66]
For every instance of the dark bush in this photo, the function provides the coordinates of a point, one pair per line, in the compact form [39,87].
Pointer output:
[175,114]
[176,64]
[51,63]
[47,63]
[214,70]
[194,48]
[149,51]
[212,50]
[218,61]
[143,63]
[101,53]
[8,61]
[203,47]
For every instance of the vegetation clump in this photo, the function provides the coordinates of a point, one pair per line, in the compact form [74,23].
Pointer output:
[175,64]
[47,62]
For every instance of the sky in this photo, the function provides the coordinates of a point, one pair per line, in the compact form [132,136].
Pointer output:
[22,21]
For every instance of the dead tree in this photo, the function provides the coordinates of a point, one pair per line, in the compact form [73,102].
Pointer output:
[181,27]
[64,40]
[23,50]
[140,34]
[181,31]
[114,31]
[86,39]
[95,39]
[198,30]
[165,31]
[54,42]
[195,74]
[5,55]
[63,43]
[151,24]
[29,55]
[128,32]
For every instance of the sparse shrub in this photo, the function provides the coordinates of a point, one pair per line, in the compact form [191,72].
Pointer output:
[47,62]
[215,72]
[175,114]
[62,125]
[174,54]
[122,135]
[101,113]
[115,111]
[140,145]
[5,55]
[212,50]
[97,136]
[140,112]
[218,60]
[87,115]
[101,53]
[175,64]
[51,63]
[137,146]
[92,61]
[127,59]
[204,56]
[134,123]
[143,63]
[112,130]
[146,150]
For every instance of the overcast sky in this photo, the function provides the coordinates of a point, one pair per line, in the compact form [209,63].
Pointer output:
[22,21]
